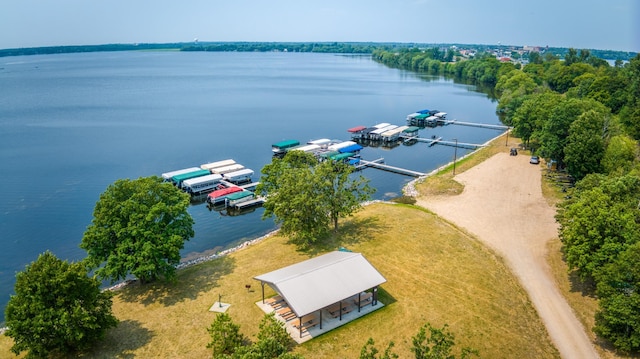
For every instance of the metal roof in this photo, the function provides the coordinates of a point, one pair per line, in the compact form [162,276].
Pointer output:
[324,280]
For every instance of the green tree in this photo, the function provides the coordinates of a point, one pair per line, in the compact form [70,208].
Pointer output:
[369,351]
[618,319]
[273,341]
[620,155]
[555,130]
[438,345]
[225,336]
[586,144]
[630,111]
[531,115]
[600,221]
[513,88]
[139,227]
[306,197]
[57,309]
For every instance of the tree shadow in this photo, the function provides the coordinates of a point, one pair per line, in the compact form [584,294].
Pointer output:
[189,284]
[350,232]
[120,342]
[586,287]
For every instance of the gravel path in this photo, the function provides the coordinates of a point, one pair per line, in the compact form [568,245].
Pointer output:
[502,204]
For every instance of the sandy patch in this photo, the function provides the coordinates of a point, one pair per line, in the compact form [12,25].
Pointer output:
[502,204]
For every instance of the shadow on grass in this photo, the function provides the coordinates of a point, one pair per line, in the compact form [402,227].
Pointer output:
[350,232]
[190,283]
[120,342]
[385,297]
[587,287]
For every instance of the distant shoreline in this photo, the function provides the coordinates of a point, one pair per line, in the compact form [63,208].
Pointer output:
[318,47]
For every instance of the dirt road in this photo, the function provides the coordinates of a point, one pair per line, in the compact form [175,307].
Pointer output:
[502,204]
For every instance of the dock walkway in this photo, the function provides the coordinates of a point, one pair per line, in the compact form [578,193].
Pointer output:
[382,166]
[475,124]
[433,141]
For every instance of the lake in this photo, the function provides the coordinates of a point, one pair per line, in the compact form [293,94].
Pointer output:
[71,124]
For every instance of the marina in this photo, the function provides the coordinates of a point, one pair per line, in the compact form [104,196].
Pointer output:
[384,135]
[228,184]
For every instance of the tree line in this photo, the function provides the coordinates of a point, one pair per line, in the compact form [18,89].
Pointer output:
[583,116]
[320,47]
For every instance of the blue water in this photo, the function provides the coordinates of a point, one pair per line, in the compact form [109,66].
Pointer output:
[71,124]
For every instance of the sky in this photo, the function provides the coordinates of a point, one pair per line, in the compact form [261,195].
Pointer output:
[581,24]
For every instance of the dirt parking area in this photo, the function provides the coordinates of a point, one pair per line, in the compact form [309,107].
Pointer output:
[503,206]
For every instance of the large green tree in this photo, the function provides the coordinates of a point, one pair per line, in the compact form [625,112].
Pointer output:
[308,197]
[57,309]
[586,144]
[618,319]
[630,111]
[513,88]
[600,221]
[531,115]
[620,156]
[555,130]
[139,227]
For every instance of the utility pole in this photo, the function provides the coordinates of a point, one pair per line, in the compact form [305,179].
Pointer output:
[455,156]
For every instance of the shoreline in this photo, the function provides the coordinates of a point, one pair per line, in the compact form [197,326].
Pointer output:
[407,190]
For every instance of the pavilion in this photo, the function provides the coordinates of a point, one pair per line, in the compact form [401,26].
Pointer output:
[334,285]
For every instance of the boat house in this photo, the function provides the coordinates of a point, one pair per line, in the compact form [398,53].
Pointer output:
[317,294]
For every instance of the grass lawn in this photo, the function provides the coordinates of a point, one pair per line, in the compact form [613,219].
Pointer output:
[435,273]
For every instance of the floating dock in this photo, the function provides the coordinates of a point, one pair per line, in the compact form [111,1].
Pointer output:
[439,141]
[378,164]
[258,201]
[475,124]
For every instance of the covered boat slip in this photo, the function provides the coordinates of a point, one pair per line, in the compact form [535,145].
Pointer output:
[178,179]
[202,183]
[227,169]
[240,176]
[168,175]
[321,293]
[282,146]
[223,163]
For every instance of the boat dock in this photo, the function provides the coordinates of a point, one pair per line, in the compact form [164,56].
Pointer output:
[438,140]
[258,201]
[475,124]
[378,164]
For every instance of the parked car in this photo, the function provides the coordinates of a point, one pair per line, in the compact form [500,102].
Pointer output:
[534,160]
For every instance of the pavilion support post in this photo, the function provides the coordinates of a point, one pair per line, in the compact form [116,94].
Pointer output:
[320,319]
[374,298]
[359,297]
[340,309]
[300,325]
[262,285]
